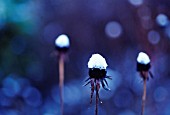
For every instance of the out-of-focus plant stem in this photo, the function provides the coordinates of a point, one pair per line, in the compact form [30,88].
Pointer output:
[144,97]
[61,81]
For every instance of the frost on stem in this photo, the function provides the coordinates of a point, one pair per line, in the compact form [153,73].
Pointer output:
[97,74]
[62,43]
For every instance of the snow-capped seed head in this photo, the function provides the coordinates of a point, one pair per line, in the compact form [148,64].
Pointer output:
[97,61]
[62,41]
[143,58]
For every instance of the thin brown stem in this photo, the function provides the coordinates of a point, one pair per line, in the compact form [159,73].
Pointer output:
[61,82]
[144,96]
[97,97]
[96,110]
[92,90]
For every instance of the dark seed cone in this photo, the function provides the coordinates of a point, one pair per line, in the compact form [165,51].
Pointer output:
[62,49]
[97,73]
[143,67]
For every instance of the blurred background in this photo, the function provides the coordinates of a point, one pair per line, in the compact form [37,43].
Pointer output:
[117,29]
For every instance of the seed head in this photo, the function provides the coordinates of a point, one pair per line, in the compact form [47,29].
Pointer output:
[62,43]
[143,62]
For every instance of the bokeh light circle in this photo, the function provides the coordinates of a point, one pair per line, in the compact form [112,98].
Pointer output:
[153,37]
[32,96]
[160,94]
[113,29]
[11,87]
[136,2]
[162,20]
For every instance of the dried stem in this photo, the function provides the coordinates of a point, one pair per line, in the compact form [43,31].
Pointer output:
[92,90]
[61,81]
[96,110]
[97,97]
[144,96]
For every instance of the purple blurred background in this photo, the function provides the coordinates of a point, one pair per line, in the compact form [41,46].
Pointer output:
[117,29]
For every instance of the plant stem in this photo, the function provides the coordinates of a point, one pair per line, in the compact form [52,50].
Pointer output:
[92,91]
[144,96]
[61,81]
[96,110]
[97,97]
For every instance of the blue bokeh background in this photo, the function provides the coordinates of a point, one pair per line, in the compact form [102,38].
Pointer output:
[117,29]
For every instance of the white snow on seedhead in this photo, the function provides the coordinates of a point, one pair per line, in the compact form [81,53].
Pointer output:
[143,58]
[62,41]
[97,61]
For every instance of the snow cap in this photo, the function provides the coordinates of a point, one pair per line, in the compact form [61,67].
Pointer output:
[143,58]
[97,61]
[62,41]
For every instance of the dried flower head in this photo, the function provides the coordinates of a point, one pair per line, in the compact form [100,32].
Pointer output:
[143,62]
[143,65]
[97,74]
[62,43]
